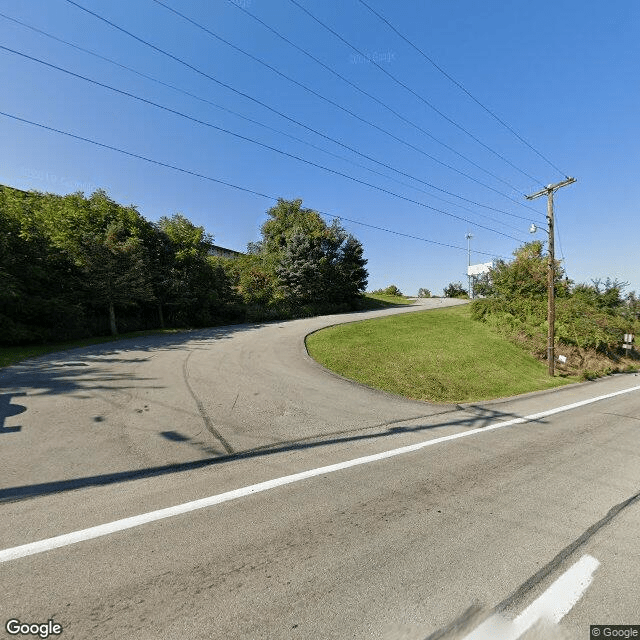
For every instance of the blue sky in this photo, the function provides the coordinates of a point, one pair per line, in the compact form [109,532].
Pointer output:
[562,74]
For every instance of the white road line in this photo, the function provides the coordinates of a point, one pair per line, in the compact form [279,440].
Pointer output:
[135,521]
[550,607]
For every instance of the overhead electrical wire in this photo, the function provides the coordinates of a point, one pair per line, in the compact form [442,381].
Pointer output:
[224,182]
[328,100]
[461,87]
[415,93]
[290,119]
[256,122]
[256,142]
[294,138]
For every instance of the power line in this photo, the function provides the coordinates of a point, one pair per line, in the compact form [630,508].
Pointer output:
[290,119]
[473,202]
[415,93]
[461,86]
[353,85]
[219,181]
[257,122]
[326,99]
[256,142]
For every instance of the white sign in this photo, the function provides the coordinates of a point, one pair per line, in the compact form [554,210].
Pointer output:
[562,359]
[479,269]
[628,337]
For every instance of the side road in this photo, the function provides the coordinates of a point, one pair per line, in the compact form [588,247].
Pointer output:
[159,404]
[161,400]
[402,514]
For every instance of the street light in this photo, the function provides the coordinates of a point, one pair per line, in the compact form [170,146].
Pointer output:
[468,237]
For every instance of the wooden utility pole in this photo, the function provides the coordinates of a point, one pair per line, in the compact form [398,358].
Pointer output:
[551,275]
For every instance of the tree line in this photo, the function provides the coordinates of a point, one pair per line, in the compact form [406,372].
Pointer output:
[75,266]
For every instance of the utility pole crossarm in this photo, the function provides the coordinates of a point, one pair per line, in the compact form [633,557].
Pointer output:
[551,188]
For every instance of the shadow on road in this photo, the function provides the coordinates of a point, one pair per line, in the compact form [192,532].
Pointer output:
[483,417]
[91,369]
[7,410]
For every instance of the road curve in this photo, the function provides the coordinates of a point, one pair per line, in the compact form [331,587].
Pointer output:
[489,502]
[149,402]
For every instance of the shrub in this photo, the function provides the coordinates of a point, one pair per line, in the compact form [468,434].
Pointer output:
[455,290]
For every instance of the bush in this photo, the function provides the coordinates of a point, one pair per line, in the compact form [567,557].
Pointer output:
[455,290]
[391,290]
[578,322]
[424,293]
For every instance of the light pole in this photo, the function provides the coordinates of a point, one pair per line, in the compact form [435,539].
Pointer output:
[551,300]
[468,237]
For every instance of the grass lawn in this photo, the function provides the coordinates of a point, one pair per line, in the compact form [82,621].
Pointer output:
[11,355]
[383,297]
[438,356]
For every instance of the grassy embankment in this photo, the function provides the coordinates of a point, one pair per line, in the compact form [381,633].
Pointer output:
[588,337]
[391,300]
[439,356]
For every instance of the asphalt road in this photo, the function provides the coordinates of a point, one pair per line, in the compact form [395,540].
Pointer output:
[485,508]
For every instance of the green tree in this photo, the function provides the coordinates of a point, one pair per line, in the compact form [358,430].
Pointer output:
[605,296]
[482,285]
[632,306]
[286,218]
[116,268]
[324,265]
[302,259]
[300,268]
[197,285]
[105,240]
[526,276]
[391,290]
[455,290]
[39,285]
[70,265]
[352,275]
[254,276]
[161,261]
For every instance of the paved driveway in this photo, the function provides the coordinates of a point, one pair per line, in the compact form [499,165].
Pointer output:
[400,515]
[139,405]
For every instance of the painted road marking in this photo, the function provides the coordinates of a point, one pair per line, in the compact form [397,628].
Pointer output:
[550,607]
[135,521]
